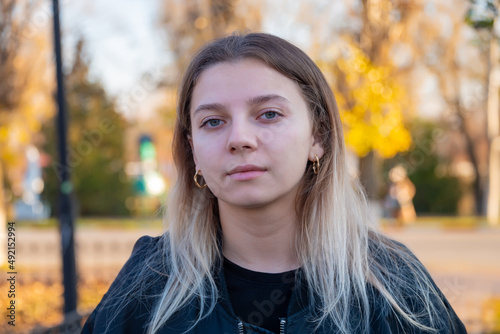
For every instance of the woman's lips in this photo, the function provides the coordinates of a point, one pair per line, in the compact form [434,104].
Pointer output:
[246,172]
[242,176]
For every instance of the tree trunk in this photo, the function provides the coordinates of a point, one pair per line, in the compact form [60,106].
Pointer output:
[370,46]
[494,184]
[367,175]
[493,211]
[470,149]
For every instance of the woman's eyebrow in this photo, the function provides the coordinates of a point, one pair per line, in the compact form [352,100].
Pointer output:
[252,101]
[266,98]
[210,106]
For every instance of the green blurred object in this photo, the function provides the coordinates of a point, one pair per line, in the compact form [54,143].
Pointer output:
[482,14]
[147,149]
[66,187]
[140,186]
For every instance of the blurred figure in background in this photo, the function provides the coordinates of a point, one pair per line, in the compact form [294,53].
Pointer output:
[402,190]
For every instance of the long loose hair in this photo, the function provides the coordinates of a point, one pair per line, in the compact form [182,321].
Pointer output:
[340,254]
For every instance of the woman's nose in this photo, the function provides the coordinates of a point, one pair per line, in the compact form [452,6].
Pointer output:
[242,136]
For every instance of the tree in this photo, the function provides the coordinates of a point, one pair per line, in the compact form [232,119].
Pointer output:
[422,39]
[445,51]
[96,146]
[25,92]
[371,103]
[482,15]
[371,95]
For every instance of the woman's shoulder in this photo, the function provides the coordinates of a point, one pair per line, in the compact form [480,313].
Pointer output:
[391,255]
[146,242]
[145,253]
[133,289]
[146,245]
[147,259]
[399,270]
[407,280]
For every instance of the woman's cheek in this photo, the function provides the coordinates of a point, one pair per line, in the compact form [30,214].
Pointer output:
[209,161]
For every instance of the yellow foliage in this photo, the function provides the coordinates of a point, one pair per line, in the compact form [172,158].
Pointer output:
[33,85]
[371,104]
[41,304]
[490,315]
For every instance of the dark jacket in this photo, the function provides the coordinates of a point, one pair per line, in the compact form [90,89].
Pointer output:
[222,320]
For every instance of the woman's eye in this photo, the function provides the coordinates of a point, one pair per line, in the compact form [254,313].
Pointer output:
[270,114]
[212,122]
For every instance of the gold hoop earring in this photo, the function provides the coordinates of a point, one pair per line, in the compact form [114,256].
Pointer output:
[196,180]
[316,165]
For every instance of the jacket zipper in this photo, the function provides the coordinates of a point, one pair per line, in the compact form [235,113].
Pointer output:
[282,325]
[240,328]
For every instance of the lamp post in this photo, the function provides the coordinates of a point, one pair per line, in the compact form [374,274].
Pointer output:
[66,188]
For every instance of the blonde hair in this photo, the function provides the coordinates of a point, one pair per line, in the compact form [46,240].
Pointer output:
[344,260]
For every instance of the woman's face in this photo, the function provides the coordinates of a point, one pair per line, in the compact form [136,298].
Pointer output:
[251,133]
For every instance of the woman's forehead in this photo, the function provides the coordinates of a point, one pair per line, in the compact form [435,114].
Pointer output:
[247,79]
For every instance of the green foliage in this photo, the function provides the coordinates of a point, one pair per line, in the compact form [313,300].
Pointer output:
[437,192]
[96,148]
[482,14]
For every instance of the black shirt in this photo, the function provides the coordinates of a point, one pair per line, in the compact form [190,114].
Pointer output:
[257,298]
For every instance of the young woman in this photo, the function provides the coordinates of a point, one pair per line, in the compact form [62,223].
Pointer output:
[266,231]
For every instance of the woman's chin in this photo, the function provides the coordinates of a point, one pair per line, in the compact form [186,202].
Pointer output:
[246,202]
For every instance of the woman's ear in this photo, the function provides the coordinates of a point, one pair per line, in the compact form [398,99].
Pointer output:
[316,148]
[190,139]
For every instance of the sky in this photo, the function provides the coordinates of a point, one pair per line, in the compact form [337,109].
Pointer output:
[120,36]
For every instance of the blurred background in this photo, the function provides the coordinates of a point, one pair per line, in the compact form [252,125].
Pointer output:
[417,83]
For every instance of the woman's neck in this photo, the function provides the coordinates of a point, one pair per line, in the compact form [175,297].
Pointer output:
[260,239]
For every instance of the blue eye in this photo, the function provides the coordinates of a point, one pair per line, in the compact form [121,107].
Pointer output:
[270,114]
[212,122]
